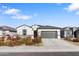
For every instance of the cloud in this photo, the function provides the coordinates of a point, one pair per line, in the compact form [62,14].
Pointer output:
[72,7]
[22,17]
[12,11]
[15,13]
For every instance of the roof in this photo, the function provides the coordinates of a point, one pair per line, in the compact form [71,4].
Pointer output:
[77,29]
[1,28]
[23,25]
[70,28]
[48,27]
[4,28]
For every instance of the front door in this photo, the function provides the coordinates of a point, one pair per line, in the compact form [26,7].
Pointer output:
[35,34]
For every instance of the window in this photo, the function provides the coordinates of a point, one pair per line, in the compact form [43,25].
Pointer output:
[24,31]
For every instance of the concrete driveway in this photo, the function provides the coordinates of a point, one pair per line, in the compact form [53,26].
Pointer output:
[59,44]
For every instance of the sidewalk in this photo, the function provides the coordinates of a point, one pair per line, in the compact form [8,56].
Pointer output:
[34,49]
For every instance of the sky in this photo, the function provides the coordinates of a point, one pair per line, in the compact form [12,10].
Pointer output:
[54,14]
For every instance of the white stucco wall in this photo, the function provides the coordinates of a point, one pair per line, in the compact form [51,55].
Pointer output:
[35,27]
[7,32]
[28,29]
[58,31]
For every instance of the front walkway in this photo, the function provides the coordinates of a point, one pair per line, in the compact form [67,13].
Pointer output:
[49,45]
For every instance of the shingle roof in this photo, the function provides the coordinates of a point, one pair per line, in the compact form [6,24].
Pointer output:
[1,28]
[7,28]
[71,28]
[48,27]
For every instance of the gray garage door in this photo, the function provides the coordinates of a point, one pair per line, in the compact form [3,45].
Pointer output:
[49,34]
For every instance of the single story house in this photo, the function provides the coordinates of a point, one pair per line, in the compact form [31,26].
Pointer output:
[6,30]
[68,32]
[38,31]
[46,31]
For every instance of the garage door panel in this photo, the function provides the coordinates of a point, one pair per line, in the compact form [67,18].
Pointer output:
[49,34]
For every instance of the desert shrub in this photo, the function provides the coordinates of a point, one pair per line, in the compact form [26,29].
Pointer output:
[20,42]
[76,40]
[17,37]
[68,38]
[28,41]
[37,40]
[12,43]
[8,43]
[1,42]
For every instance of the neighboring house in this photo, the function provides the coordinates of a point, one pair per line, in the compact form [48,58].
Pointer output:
[5,30]
[76,33]
[47,31]
[68,32]
[1,32]
[24,31]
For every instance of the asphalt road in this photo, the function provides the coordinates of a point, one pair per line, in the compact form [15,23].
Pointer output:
[41,54]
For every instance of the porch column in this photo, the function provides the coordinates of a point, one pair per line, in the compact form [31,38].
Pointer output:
[58,34]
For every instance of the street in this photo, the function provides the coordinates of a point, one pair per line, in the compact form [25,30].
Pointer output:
[40,54]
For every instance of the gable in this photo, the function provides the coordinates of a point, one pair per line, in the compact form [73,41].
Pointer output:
[24,27]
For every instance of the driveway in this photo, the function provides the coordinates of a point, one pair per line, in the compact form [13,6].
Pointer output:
[59,44]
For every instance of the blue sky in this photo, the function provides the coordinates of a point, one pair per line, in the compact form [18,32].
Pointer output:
[55,14]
